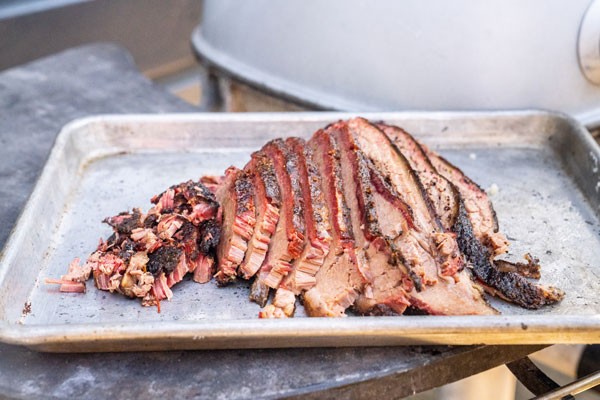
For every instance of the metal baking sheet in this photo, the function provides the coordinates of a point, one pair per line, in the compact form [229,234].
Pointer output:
[545,165]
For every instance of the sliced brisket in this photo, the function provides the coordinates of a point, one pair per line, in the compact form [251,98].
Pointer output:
[386,280]
[475,224]
[427,250]
[267,198]
[288,240]
[316,217]
[338,281]
[287,169]
[236,196]
[443,195]
[476,202]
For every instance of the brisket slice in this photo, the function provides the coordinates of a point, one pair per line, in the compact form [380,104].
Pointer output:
[391,231]
[316,217]
[428,250]
[267,199]
[338,281]
[476,228]
[288,240]
[236,196]
[386,280]
[443,195]
[476,202]
[507,285]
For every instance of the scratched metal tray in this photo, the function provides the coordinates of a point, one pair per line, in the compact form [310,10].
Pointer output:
[544,164]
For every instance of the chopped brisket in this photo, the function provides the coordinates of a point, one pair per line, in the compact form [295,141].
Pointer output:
[125,222]
[148,254]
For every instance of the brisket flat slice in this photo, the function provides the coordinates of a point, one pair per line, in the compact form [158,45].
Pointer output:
[267,199]
[476,225]
[476,202]
[338,281]
[288,240]
[387,281]
[316,218]
[429,252]
[236,196]
[442,194]
[507,285]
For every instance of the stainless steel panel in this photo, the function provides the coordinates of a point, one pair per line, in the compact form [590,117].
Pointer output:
[410,55]
[545,165]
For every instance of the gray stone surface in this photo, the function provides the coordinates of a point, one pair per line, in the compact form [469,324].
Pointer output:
[36,100]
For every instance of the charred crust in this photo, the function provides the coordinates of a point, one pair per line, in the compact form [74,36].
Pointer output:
[259,292]
[511,286]
[380,310]
[457,171]
[125,222]
[337,182]
[151,221]
[165,259]
[210,234]
[266,172]
[244,192]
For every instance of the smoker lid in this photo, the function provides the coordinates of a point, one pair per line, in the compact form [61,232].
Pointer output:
[355,55]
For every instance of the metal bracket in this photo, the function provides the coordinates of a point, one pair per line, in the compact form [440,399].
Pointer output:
[589,43]
[545,388]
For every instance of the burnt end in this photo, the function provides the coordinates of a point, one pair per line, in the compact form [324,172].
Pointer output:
[165,259]
[128,247]
[151,221]
[512,287]
[210,234]
[195,191]
[259,292]
[125,222]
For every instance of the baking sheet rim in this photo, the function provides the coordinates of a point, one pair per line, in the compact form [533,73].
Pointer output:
[502,329]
